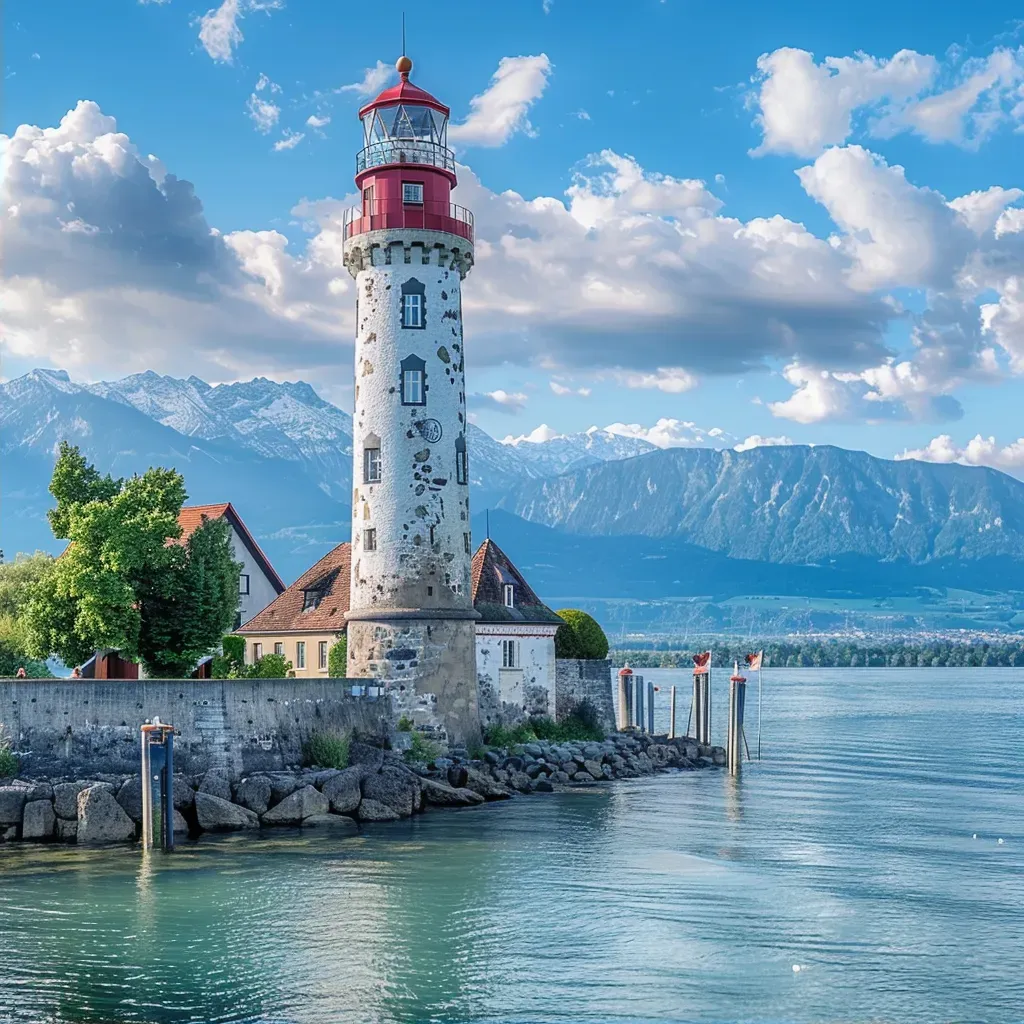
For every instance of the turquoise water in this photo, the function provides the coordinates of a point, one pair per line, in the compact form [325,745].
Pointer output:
[847,851]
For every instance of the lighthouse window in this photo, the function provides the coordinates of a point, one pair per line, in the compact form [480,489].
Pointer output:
[370,539]
[412,193]
[461,467]
[371,465]
[414,390]
[413,312]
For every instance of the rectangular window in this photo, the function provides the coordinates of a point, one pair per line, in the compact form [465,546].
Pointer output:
[243,584]
[412,193]
[370,539]
[432,535]
[509,654]
[257,652]
[368,201]
[510,595]
[412,310]
[371,465]
[300,654]
[412,386]
[461,469]
[279,649]
[466,541]
[323,655]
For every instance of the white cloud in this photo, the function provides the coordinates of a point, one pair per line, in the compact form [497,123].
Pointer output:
[263,82]
[671,379]
[263,113]
[979,451]
[757,441]
[582,115]
[536,436]
[562,390]
[668,433]
[317,121]
[500,111]
[373,81]
[547,5]
[219,31]
[497,401]
[804,107]
[289,140]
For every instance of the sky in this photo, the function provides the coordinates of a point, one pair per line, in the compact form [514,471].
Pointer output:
[696,222]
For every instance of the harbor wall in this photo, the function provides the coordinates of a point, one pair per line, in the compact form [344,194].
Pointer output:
[578,679]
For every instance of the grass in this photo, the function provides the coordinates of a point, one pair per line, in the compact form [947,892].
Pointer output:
[8,762]
[581,725]
[327,749]
[422,749]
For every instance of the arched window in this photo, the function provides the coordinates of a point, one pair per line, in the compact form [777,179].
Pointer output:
[461,464]
[414,381]
[371,459]
[414,313]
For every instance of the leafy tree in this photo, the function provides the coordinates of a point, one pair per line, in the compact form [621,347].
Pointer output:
[581,636]
[123,582]
[18,578]
[337,658]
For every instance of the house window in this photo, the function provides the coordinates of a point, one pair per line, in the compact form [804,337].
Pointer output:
[371,465]
[461,466]
[510,595]
[370,539]
[243,584]
[466,542]
[300,654]
[509,654]
[322,654]
[311,599]
[413,303]
[279,649]
[412,192]
[414,381]
[257,652]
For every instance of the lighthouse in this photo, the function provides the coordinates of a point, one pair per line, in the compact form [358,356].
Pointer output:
[411,622]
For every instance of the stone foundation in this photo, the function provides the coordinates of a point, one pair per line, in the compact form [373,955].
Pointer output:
[577,680]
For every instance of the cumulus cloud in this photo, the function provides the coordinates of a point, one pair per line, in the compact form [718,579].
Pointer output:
[757,441]
[219,31]
[979,451]
[562,390]
[536,436]
[497,401]
[670,433]
[373,81]
[318,121]
[803,106]
[500,111]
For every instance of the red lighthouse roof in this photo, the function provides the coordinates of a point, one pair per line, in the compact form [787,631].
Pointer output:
[404,92]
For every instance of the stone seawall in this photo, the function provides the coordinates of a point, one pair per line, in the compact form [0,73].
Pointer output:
[577,680]
[62,728]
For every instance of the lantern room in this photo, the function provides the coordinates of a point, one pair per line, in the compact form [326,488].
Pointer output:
[405,171]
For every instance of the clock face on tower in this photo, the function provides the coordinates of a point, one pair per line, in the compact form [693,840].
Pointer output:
[430,430]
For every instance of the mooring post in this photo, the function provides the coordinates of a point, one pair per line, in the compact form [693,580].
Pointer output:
[672,714]
[147,793]
[168,789]
[625,674]
[650,708]
[737,699]
[157,784]
[638,689]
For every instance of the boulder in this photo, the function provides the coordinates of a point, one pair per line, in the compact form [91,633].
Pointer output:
[217,815]
[439,795]
[39,820]
[216,783]
[569,768]
[344,790]
[303,803]
[9,834]
[481,783]
[457,775]
[594,768]
[184,794]
[394,787]
[533,750]
[492,757]
[67,831]
[254,793]
[180,824]
[519,781]
[363,753]
[718,755]
[372,810]
[101,818]
[560,777]
[542,785]
[65,799]
[12,803]
[283,784]
[129,796]
[320,779]
[335,822]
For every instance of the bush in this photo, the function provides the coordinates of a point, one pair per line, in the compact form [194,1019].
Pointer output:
[422,749]
[580,637]
[8,762]
[270,666]
[231,663]
[327,749]
[337,658]
[505,736]
[404,724]
[234,648]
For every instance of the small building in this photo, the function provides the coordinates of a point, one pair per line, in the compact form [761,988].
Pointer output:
[258,582]
[515,641]
[306,620]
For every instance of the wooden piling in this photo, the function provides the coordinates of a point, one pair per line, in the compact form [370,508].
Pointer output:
[672,714]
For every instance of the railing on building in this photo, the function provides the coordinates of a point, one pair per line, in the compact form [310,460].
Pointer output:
[405,151]
[379,214]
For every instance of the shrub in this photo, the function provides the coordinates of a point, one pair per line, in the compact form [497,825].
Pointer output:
[422,749]
[234,648]
[327,749]
[581,636]
[337,658]
[270,666]
[8,762]
[505,736]
[404,724]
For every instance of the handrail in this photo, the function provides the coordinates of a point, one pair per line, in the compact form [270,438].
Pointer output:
[432,215]
[405,151]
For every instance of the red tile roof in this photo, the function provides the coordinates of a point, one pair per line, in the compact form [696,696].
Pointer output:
[491,570]
[330,576]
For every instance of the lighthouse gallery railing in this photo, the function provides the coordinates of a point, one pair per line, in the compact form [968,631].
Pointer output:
[378,214]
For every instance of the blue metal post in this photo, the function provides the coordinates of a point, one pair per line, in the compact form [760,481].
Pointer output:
[168,790]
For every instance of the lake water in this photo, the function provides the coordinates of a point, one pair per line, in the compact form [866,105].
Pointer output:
[846,852]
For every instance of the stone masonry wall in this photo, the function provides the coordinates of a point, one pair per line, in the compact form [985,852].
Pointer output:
[576,680]
[80,727]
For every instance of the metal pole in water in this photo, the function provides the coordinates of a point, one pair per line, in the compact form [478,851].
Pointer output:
[650,708]
[147,794]
[737,699]
[759,712]
[639,692]
[168,789]
[672,714]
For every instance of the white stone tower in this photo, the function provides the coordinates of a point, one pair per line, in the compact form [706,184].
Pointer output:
[411,619]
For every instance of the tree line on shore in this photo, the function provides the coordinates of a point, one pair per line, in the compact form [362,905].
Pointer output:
[839,653]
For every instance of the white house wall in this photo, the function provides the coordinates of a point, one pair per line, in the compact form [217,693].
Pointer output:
[507,697]
[261,590]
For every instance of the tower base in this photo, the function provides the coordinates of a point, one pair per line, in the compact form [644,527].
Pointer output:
[428,668]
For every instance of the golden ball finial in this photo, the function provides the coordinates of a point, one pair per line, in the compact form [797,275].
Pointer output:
[404,65]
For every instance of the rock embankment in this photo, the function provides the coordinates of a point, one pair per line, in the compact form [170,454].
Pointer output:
[378,785]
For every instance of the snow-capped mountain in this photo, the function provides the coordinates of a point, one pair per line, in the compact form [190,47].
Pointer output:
[551,454]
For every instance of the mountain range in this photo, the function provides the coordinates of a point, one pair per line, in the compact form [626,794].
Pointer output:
[592,515]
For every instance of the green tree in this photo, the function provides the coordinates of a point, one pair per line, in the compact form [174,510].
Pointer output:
[123,582]
[17,580]
[337,658]
[580,637]
[270,666]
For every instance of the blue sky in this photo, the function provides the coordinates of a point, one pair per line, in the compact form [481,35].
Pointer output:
[904,332]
